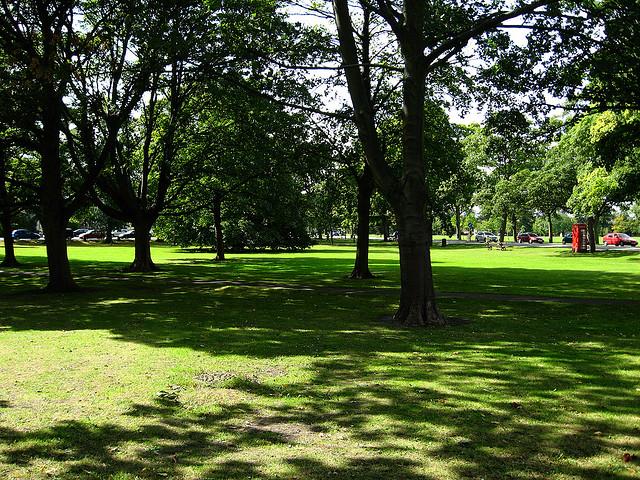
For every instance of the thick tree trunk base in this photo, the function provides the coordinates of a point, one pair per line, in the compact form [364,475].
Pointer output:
[219,258]
[68,286]
[142,260]
[10,263]
[9,260]
[416,315]
[142,267]
[357,274]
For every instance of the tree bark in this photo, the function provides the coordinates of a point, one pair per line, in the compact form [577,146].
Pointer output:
[514,224]
[108,235]
[503,226]
[408,195]
[365,190]
[549,218]
[10,260]
[217,221]
[458,230]
[54,227]
[9,252]
[54,217]
[429,226]
[142,261]
[417,295]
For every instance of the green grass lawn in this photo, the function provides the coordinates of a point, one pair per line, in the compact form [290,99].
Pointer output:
[183,374]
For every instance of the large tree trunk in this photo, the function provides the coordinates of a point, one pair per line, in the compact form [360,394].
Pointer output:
[108,235]
[417,295]
[514,225]
[549,217]
[9,253]
[503,226]
[10,259]
[407,195]
[54,218]
[365,190]
[385,227]
[429,227]
[591,231]
[458,230]
[142,261]
[54,227]
[217,221]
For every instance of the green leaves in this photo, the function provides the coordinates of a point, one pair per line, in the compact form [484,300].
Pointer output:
[593,192]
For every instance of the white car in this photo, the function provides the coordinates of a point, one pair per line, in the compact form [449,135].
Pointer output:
[127,235]
[486,236]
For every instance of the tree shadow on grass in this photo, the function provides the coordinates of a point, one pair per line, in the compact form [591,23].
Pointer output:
[524,391]
[313,268]
[447,408]
[600,254]
[168,443]
[515,394]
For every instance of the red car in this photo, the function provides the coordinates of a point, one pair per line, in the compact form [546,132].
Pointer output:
[529,237]
[619,239]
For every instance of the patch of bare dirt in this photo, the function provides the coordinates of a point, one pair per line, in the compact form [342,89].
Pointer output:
[286,431]
[217,377]
[212,378]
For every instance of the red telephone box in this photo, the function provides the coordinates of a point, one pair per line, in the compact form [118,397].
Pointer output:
[580,240]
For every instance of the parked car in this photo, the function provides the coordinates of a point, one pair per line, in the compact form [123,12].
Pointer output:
[128,235]
[619,239]
[91,235]
[529,237]
[486,236]
[22,234]
[568,238]
[117,233]
[79,231]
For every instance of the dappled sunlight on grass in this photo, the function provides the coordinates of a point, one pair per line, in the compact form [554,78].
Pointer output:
[173,376]
[457,268]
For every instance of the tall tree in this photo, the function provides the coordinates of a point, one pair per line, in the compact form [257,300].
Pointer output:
[605,149]
[38,39]
[144,165]
[365,188]
[245,194]
[54,49]
[592,196]
[549,188]
[428,37]
[349,158]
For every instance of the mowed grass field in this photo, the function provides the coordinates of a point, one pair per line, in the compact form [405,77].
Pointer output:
[278,366]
